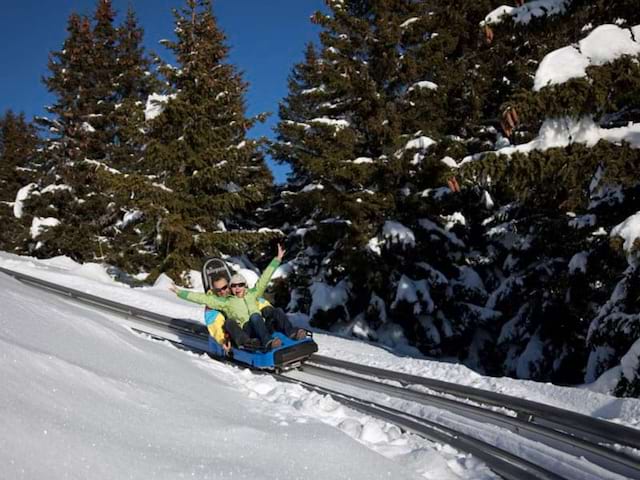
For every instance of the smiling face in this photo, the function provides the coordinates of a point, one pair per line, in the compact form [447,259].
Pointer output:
[221,287]
[239,289]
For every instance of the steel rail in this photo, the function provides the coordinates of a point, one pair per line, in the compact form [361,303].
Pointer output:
[158,320]
[601,456]
[501,462]
[591,429]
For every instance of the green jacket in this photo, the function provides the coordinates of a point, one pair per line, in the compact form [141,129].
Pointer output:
[235,308]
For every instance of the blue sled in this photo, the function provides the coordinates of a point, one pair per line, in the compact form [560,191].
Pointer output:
[290,353]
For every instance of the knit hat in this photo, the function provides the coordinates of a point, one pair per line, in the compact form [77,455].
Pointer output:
[238,278]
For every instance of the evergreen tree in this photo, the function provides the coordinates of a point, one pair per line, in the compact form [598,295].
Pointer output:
[360,162]
[336,132]
[104,75]
[69,82]
[66,181]
[19,145]
[495,273]
[135,83]
[129,230]
[72,194]
[92,77]
[199,149]
[558,271]
[441,104]
[19,158]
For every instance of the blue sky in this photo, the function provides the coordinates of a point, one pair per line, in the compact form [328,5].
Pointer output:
[267,37]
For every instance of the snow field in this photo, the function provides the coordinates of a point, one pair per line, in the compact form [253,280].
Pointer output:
[84,394]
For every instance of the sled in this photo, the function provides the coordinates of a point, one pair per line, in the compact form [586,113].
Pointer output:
[290,354]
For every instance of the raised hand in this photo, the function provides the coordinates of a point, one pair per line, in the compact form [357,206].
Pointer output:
[281,252]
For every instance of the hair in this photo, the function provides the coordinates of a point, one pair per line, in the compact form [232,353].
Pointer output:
[219,277]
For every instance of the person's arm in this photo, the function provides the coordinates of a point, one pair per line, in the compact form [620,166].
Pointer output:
[263,281]
[210,301]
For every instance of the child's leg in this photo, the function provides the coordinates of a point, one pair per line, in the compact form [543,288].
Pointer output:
[255,327]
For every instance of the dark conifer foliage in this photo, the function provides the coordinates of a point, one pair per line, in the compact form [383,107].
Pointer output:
[133,84]
[104,76]
[134,199]
[334,135]
[19,145]
[69,82]
[100,79]
[408,220]
[506,265]
[354,129]
[19,157]
[199,148]
[71,193]
[565,286]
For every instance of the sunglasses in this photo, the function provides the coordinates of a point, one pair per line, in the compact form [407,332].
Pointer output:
[238,285]
[221,289]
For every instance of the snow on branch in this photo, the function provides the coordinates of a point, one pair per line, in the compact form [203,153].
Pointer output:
[325,297]
[39,224]
[629,231]
[415,292]
[155,105]
[409,21]
[603,45]
[526,12]
[23,194]
[423,84]
[562,132]
[102,165]
[338,124]
[433,227]
[392,233]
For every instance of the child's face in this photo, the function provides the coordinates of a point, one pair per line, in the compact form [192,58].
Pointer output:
[239,289]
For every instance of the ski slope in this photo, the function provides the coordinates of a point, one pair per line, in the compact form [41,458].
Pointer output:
[84,397]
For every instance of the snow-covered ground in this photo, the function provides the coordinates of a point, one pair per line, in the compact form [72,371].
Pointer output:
[84,397]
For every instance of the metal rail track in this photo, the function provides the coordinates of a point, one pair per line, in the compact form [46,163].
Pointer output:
[581,426]
[501,462]
[601,456]
[188,330]
[585,432]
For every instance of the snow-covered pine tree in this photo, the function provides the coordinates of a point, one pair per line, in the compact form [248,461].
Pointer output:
[337,130]
[440,294]
[68,82]
[135,83]
[19,145]
[354,130]
[101,81]
[562,194]
[199,149]
[104,75]
[68,188]
[135,198]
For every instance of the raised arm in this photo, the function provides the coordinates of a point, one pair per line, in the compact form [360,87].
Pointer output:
[263,281]
[211,301]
